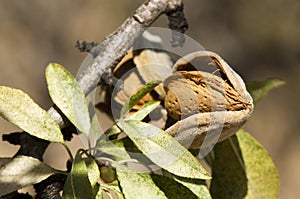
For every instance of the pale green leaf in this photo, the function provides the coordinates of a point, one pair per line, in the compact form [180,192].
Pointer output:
[68,96]
[138,185]
[143,112]
[99,194]
[163,149]
[114,187]
[20,172]
[18,108]
[114,130]
[242,168]
[115,148]
[139,115]
[93,173]
[135,98]
[259,89]
[77,184]
[197,186]
[95,127]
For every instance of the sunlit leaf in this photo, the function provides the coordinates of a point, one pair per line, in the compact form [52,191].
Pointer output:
[242,168]
[259,89]
[143,112]
[18,108]
[95,126]
[93,173]
[67,94]
[114,187]
[99,194]
[163,149]
[138,185]
[77,184]
[114,130]
[115,148]
[197,186]
[135,98]
[21,171]
[139,115]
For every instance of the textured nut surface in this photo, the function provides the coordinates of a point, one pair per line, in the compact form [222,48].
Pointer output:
[192,92]
[208,108]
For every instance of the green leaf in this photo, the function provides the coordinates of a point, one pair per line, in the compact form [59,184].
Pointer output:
[198,187]
[138,185]
[68,96]
[139,115]
[77,184]
[115,148]
[242,168]
[20,172]
[93,173]
[135,98]
[18,108]
[99,194]
[143,112]
[114,187]
[259,89]
[163,149]
[114,130]
[171,188]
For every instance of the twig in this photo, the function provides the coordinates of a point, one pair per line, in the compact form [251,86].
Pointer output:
[107,54]
[84,46]
[178,24]
[114,47]
[111,51]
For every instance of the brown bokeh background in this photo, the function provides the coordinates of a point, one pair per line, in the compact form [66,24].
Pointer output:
[260,39]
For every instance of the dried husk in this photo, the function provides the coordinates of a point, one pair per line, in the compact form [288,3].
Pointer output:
[208,108]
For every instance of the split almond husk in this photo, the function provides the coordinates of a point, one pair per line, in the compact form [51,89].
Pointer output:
[208,108]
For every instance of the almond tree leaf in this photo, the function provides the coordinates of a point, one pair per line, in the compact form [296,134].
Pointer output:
[242,168]
[143,112]
[163,149]
[20,172]
[172,188]
[68,96]
[93,173]
[138,185]
[139,115]
[198,187]
[99,194]
[135,98]
[114,130]
[77,184]
[115,148]
[114,187]
[259,89]
[18,108]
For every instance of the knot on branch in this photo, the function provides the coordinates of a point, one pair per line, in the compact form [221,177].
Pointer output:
[84,46]
[179,24]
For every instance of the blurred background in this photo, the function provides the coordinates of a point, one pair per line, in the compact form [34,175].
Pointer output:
[259,38]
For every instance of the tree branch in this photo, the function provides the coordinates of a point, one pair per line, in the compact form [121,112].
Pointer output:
[115,46]
[112,49]
[107,54]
